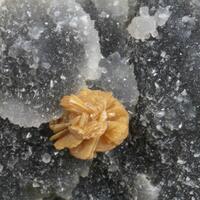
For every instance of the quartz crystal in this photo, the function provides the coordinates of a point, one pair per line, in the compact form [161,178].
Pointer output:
[47,49]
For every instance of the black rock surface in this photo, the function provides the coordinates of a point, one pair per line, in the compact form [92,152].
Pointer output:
[160,160]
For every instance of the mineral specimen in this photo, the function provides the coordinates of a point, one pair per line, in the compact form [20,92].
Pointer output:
[93,121]
[144,26]
[118,76]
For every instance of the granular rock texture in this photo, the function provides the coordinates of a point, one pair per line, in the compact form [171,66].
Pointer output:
[160,159]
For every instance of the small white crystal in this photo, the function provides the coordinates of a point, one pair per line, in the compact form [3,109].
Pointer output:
[196,155]
[162,15]
[144,26]
[28,135]
[188,19]
[35,184]
[46,65]
[63,77]
[144,11]
[144,189]
[160,114]
[46,158]
[1,168]
[35,32]
[163,54]
[180,161]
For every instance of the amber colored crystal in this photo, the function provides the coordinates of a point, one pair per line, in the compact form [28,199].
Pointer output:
[93,121]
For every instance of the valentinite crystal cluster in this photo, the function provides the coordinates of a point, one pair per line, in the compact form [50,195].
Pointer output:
[93,121]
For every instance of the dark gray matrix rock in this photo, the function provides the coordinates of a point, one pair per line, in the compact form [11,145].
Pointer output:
[161,157]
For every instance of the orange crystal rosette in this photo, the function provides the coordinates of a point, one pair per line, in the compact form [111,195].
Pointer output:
[93,121]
